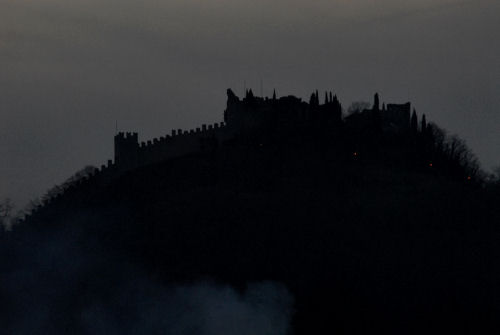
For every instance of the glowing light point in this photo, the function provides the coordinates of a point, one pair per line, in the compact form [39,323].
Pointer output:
[355,154]
[430,164]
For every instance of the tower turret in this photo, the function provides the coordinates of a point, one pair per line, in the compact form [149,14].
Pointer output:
[126,150]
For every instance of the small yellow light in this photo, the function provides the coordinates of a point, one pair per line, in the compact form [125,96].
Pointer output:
[355,153]
[469,178]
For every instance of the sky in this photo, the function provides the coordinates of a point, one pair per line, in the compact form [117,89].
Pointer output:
[71,69]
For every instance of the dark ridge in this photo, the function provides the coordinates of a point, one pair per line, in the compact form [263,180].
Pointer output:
[374,221]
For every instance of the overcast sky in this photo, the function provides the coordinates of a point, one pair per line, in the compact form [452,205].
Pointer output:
[70,68]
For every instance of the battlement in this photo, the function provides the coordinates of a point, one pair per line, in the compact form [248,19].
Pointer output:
[129,153]
[126,148]
[129,136]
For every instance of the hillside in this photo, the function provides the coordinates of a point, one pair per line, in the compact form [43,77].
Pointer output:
[370,229]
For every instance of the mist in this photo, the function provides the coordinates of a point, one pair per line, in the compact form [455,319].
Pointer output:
[58,282]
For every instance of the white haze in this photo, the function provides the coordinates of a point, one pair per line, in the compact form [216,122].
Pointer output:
[65,282]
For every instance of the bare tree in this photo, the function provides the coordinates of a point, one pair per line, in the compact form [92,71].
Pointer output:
[438,136]
[81,174]
[495,175]
[455,153]
[6,208]
[74,179]
[32,206]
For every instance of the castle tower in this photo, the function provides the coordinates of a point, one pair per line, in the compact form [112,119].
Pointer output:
[397,116]
[126,150]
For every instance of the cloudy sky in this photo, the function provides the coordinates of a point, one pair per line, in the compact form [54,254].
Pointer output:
[69,69]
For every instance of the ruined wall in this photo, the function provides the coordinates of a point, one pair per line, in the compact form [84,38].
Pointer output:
[397,116]
[287,112]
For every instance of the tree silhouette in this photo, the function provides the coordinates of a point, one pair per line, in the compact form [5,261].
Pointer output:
[57,190]
[453,154]
[494,177]
[376,102]
[312,100]
[414,122]
[6,208]
[32,206]
[250,94]
[423,127]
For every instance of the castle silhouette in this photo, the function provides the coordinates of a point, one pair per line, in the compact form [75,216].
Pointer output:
[252,120]
[253,115]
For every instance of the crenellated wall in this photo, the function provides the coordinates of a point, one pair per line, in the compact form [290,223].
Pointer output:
[130,154]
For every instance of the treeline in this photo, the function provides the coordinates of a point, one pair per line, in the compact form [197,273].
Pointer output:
[449,154]
[10,217]
[425,143]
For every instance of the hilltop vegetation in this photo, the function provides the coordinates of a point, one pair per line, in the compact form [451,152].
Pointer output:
[372,229]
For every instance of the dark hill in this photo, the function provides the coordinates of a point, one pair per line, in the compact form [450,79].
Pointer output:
[364,233]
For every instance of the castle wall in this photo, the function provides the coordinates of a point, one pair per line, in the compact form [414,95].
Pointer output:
[130,154]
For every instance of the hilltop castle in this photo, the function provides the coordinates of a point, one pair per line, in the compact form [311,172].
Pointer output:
[247,120]
[248,115]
